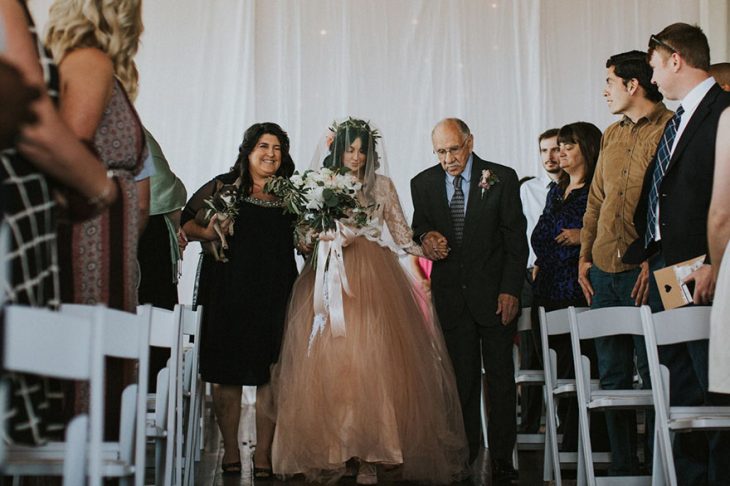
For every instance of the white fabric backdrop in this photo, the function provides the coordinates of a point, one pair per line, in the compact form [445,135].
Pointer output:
[510,69]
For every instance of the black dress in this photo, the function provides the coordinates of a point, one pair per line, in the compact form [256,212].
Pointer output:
[245,299]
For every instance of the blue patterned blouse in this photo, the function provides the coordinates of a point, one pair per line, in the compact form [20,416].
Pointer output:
[558,275]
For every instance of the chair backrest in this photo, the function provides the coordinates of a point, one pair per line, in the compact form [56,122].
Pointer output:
[44,342]
[669,327]
[682,325]
[53,344]
[191,318]
[164,327]
[167,333]
[553,323]
[607,321]
[127,336]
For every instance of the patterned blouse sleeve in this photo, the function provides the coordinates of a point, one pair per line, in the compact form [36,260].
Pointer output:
[393,214]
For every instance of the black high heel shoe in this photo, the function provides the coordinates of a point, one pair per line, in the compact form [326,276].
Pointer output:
[262,473]
[231,468]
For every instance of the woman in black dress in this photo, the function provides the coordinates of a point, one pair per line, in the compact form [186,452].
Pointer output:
[244,299]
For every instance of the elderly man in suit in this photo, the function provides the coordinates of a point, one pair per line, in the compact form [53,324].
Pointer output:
[468,217]
[671,220]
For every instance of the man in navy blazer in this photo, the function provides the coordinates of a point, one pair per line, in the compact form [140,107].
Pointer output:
[468,217]
[671,219]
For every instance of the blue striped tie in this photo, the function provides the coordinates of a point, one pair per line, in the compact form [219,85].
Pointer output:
[457,210]
[663,156]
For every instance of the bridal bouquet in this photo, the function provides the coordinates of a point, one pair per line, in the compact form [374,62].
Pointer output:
[319,198]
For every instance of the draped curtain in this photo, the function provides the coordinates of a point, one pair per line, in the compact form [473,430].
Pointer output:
[509,68]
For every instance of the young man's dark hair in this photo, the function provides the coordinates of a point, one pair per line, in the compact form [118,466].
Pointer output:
[633,65]
[550,133]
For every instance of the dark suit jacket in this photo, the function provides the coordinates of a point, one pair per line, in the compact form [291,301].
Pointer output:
[686,189]
[493,255]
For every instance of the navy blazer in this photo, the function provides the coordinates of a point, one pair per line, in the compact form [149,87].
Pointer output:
[685,190]
[493,254]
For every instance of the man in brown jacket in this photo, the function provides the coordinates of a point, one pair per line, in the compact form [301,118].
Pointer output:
[627,148]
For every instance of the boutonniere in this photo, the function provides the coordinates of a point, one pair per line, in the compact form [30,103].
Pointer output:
[487,180]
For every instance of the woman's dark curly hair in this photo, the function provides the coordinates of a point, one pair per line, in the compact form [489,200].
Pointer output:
[250,139]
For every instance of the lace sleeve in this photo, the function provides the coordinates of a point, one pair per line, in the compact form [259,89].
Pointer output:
[196,201]
[393,215]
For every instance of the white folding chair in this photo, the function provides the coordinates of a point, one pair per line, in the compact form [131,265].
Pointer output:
[192,390]
[556,323]
[672,327]
[43,342]
[126,336]
[525,378]
[609,321]
[165,332]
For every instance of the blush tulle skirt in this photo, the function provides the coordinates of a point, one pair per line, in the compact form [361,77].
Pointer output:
[383,393]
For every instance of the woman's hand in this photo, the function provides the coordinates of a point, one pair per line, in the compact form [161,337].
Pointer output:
[182,241]
[305,238]
[568,237]
[304,248]
[195,231]
[17,98]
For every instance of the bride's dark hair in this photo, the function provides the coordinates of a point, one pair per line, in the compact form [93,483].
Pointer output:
[344,135]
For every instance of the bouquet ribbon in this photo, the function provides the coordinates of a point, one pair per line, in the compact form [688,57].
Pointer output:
[331,280]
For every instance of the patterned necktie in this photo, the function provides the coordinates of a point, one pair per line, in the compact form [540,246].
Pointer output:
[457,210]
[663,156]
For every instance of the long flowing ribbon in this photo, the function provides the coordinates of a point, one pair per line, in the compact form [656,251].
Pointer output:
[330,281]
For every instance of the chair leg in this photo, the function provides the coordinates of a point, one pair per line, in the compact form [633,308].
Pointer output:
[547,459]
[484,416]
[584,427]
[551,435]
[658,476]
[581,473]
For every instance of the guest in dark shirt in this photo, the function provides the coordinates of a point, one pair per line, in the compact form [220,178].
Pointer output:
[556,242]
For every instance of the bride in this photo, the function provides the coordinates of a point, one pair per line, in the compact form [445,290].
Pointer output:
[383,391]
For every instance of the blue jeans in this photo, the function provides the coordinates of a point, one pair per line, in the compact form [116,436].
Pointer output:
[700,457]
[616,369]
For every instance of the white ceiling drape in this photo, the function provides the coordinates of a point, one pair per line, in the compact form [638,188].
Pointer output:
[509,68]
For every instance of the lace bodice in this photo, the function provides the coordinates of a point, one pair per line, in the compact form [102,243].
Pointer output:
[399,236]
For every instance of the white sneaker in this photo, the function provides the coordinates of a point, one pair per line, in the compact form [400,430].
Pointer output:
[367,474]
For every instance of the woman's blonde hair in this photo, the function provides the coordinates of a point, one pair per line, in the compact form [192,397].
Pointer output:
[112,26]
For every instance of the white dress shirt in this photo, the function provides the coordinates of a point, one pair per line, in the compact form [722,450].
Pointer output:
[533,194]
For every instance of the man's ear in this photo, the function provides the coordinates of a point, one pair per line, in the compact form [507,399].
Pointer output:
[675,62]
[632,86]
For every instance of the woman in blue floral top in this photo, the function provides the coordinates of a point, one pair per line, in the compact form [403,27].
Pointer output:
[556,242]
[556,238]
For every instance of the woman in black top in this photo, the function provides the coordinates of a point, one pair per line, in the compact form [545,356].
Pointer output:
[556,241]
[244,298]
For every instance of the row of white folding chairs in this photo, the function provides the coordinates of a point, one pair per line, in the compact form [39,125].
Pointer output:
[174,411]
[557,323]
[668,327]
[72,344]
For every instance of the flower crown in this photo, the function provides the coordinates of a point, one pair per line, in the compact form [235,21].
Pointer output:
[357,125]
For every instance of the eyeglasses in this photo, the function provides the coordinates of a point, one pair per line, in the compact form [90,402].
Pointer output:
[441,153]
[655,41]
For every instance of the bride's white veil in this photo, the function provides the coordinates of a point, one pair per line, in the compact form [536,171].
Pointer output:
[338,141]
